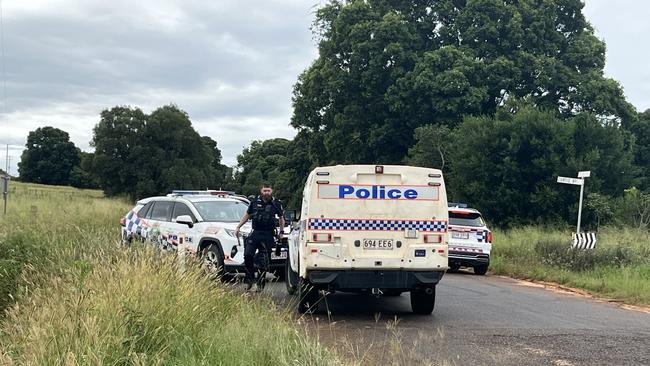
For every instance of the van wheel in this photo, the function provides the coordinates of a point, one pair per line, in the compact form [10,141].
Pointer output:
[290,277]
[213,261]
[308,297]
[421,302]
[480,269]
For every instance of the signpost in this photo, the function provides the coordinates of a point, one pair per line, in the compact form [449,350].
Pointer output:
[580,181]
[5,190]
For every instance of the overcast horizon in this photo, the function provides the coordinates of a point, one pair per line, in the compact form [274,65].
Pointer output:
[231,67]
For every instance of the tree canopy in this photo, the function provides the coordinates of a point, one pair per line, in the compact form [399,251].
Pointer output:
[385,68]
[143,155]
[49,157]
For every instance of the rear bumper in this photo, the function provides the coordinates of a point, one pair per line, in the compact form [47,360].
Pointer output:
[368,279]
[468,260]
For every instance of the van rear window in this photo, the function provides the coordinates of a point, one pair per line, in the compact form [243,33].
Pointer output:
[465,219]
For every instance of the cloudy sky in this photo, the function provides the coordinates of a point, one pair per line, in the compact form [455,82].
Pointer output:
[230,64]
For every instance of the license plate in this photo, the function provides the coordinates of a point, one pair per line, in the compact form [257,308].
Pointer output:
[378,244]
[458,235]
[283,255]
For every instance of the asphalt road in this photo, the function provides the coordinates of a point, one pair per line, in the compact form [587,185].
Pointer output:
[481,320]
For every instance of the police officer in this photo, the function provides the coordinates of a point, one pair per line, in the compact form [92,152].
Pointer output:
[263,211]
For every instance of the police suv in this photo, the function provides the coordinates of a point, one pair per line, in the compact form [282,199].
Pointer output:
[470,241]
[196,222]
[376,229]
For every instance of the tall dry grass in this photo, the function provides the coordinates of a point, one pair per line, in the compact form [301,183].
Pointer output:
[75,296]
[618,268]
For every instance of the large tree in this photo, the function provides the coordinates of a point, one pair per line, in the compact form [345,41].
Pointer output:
[115,139]
[49,157]
[143,155]
[387,67]
[506,165]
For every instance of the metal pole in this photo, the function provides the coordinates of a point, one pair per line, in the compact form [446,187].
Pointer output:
[7,160]
[582,188]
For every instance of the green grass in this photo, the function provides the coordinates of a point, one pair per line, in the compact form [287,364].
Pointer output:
[619,267]
[74,296]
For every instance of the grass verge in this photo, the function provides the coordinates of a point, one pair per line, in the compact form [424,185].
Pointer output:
[73,295]
[619,267]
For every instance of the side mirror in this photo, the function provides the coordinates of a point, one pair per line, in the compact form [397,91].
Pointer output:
[185,219]
[290,215]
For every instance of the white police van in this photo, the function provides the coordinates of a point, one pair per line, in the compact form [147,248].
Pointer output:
[196,222]
[380,229]
[470,241]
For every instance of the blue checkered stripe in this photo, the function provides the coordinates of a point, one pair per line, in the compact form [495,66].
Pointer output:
[481,235]
[376,225]
[133,224]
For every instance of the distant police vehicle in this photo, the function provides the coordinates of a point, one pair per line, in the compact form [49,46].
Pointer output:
[374,229]
[196,222]
[470,241]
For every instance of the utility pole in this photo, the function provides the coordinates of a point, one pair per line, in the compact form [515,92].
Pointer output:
[7,161]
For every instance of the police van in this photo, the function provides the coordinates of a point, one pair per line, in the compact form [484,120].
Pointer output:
[379,229]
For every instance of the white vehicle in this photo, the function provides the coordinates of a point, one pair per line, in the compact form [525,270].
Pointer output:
[366,228]
[470,241]
[196,222]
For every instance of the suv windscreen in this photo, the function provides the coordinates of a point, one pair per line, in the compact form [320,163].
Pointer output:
[221,211]
[162,210]
[466,219]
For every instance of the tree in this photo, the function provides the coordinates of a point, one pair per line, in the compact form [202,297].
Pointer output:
[641,130]
[506,165]
[115,139]
[143,155]
[222,174]
[49,157]
[81,175]
[262,161]
[386,68]
[170,154]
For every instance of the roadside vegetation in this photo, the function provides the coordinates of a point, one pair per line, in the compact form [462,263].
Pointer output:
[72,295]
[618,268]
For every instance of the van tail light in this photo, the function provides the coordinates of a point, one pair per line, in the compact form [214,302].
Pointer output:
[122,221]
[489,237]
[321,237]
[433,238]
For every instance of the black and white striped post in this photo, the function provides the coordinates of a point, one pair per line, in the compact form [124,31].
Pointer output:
[580,181]
[584,240]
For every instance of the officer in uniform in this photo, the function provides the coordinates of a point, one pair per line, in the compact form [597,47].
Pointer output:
[263,211]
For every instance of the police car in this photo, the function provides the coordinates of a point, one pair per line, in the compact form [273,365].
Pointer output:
[202,223]
[470,241]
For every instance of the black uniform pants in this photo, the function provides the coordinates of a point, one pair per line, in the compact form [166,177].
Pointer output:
[258,240]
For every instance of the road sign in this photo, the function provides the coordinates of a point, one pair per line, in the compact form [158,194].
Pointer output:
[584,174]
[584,240]
[574,181]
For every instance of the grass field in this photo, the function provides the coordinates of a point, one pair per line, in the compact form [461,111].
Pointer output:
[74,296]
[619,267]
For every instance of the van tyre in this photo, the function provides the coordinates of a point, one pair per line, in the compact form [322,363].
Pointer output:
[213,261]
[291,278]
[307,297]
[422,302]
[480,269]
